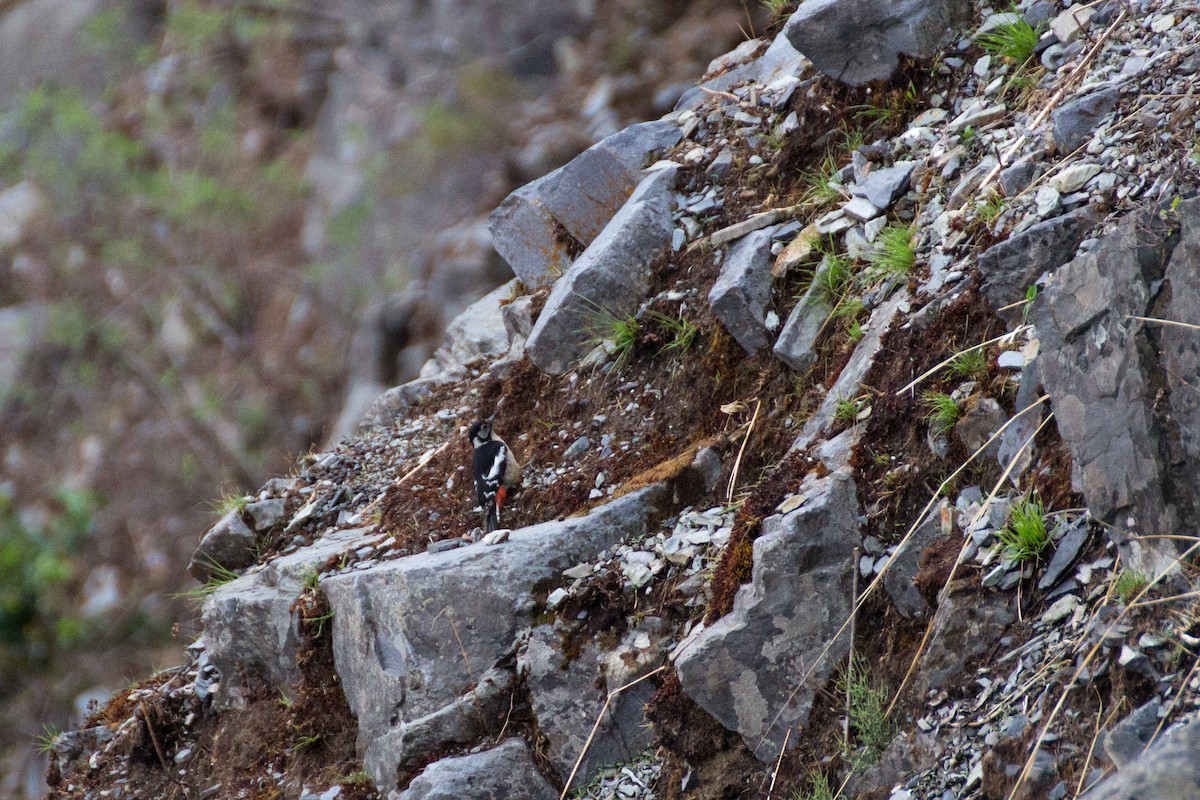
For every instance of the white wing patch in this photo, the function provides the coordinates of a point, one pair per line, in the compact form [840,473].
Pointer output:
[497,466]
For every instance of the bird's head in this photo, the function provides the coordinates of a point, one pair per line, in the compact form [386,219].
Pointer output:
[480,432]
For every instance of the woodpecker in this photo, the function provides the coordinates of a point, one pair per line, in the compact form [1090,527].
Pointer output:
[496,472]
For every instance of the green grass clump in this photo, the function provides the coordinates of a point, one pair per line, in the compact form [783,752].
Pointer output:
[847,410]
[1025,538]
[682,331]
[47,739]
[617,334]
[823,187]
[944,411]
[832,279]
[1014,40]
[1130,584]
[970,364]
[893,254]
[775,7]
[866,707]
[818,789]
[991,208]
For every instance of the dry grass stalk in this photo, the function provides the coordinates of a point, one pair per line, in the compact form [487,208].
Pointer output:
[1086,662]
[596,726]
[878,579]
[936,368]
[943,593]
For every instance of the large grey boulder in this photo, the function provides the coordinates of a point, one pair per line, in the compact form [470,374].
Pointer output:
[478,332]
[740,295]
[1121,387]
[608,280]
[859,41]
[411,636]
[1008,268]
[567,694]
[505,772]
[228,545]
[899,580]
[750,669]
[1168,770]
[966,627]
[250,628]
[537,226]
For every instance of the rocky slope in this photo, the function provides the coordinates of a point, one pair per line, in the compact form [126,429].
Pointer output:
[855,398]
[225,227]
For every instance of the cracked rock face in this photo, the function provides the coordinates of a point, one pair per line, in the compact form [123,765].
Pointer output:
[411,635]
[504,771]
[858,42]
[749,669]
[534,226]
[609,279]
[1169,770]
[1117,382]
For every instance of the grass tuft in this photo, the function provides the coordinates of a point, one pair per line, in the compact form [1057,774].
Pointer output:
[847,410]
[870,728]
[618,334]
[944,411]
[1015,41]
[893,254]
[971,364]
[1025,537]
[683,332]
[1129,584]
[47,739]
[818,788]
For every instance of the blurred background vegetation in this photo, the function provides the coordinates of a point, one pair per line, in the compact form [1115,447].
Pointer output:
[223,224]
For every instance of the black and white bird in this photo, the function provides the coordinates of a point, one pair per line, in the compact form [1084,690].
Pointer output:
[496,472]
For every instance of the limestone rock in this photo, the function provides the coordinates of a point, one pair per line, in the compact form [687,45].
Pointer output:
[610,278]
[898,580]
[1076,119]
[1169,770]
[740,295]
[965,627]
[794,346]
[567,695]
[478,332]
[747,669]
[249,626]
[401,666]
[537,225]
[1008,268]
[505,771]
[1102,369]
[229,544]
[859,41]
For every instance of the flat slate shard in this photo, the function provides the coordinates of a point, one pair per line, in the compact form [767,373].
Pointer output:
[859,41]
[538,225]
[748,669]
[739,297]
[796,342]
[1010,267]
[506,772]
[609,279]
[1077,119]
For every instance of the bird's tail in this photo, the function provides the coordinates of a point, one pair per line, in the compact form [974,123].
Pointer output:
[491,518]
